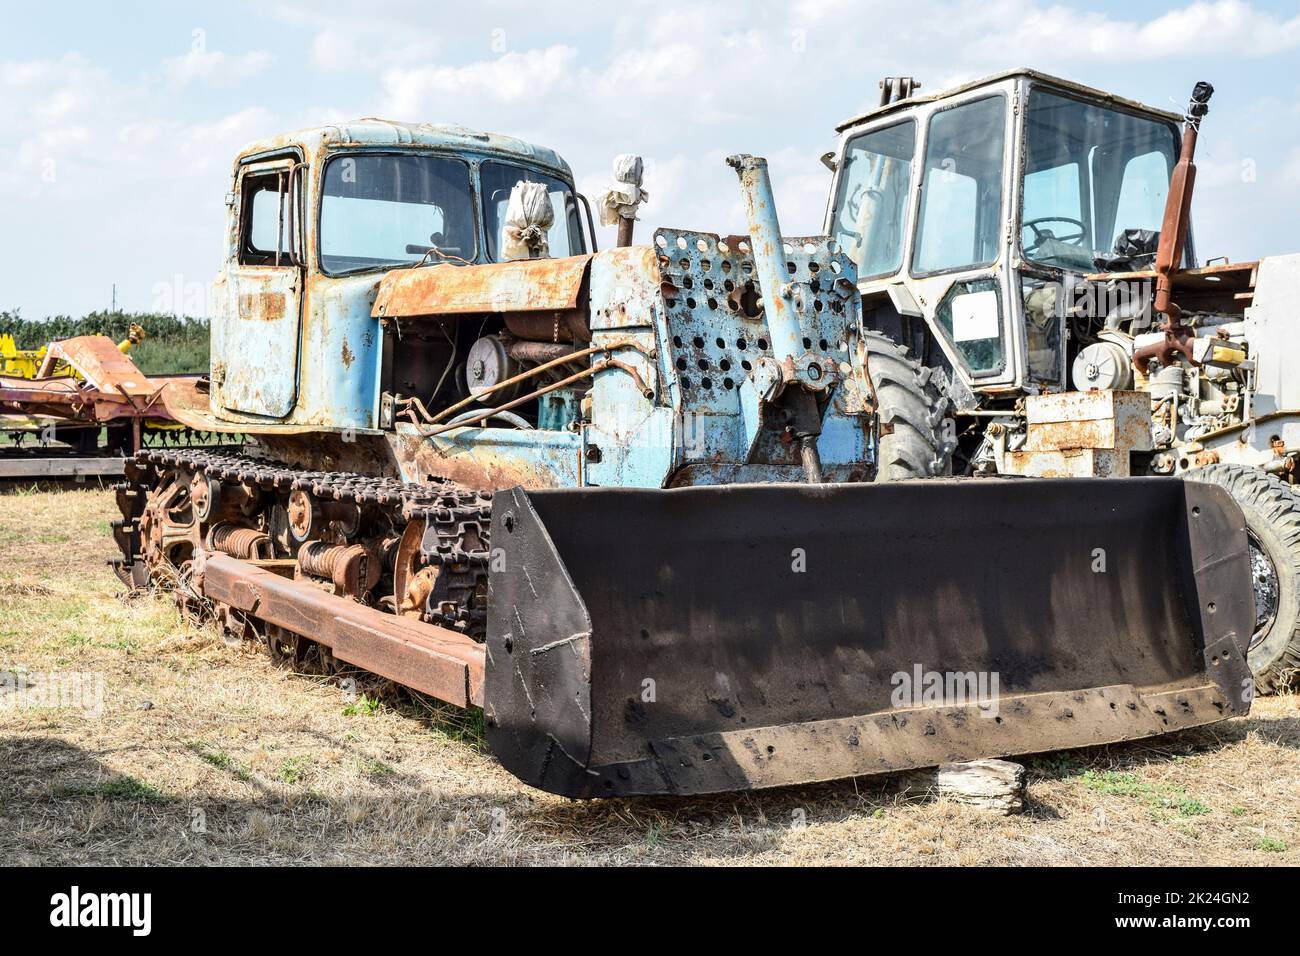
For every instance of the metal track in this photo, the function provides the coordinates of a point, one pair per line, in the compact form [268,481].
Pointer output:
[454,541]
[38,459]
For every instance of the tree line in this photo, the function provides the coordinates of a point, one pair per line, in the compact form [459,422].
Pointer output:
[174,345]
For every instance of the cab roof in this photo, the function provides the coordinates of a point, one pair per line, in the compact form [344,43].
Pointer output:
[382,132]
[1069,85]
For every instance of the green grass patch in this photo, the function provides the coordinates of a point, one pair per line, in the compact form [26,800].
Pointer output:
[1156,796]
[1114,784]
[363,706]
[370,767]
[461,726]
[221,760]
[1056,764]
[468,727]
[1190,807]
[57,621]
[123,788]
[293,769]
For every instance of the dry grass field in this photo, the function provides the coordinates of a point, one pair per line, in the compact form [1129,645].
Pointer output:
[204,754]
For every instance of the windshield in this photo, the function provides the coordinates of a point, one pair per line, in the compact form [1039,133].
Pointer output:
[497,180]
[1095,183]
[381,210]
[872,203]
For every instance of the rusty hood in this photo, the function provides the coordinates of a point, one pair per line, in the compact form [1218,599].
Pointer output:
[525,285]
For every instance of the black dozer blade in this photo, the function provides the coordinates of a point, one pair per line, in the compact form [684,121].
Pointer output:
[728,638]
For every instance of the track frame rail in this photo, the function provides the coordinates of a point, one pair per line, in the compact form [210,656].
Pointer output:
[430,659]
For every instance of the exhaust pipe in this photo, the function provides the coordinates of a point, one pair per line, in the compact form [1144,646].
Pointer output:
[1173,237]
[783,325]
[1178,205]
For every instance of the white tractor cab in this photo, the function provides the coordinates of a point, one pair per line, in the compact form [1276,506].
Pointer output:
[1027,240]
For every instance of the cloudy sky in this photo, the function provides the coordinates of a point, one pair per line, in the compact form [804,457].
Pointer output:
[119,121]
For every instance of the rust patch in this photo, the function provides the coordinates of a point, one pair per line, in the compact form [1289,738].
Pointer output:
[266,306]
[528,285]
[348,357]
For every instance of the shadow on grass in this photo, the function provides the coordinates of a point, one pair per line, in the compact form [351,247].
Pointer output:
[70,807]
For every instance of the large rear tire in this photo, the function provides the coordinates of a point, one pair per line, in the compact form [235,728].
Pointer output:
[1272,513]
[915,428]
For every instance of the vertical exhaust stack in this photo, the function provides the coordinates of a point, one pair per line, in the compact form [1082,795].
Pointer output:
[1178,205]
[1173,238]
[801,378]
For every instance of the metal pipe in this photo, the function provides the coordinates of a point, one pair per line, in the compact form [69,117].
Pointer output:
[769,256]
[475,417]
[811,459]
[784,330]
[625,227]
[1178,205]
[530,373]
[1173,237]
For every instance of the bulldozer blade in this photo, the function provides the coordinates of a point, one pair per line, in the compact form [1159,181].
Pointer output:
[726,638]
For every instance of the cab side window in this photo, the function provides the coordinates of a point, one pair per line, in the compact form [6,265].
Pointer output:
[872,202]
[961,189]
[270,223]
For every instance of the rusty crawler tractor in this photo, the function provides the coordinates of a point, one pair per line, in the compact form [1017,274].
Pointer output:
[624,500]
[1022,235]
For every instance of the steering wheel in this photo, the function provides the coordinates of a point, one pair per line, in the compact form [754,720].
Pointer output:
[1042,235]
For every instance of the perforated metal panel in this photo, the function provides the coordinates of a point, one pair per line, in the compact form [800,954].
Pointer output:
[715,309]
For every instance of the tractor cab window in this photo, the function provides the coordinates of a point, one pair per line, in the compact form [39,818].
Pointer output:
[961,188]
[564,238]
[271,223]
[380,210]
[871,208]
[1095,183]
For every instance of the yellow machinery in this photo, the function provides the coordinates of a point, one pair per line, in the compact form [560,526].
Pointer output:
[26,363]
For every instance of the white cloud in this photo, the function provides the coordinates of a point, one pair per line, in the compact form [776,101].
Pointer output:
[47,91]
[1228,26]
[215,66]
[145,157]
[213,145]
[359,47]
[98,164]
[510,78]
[1291,171]
[1222,27]
[333,49]
[1032,31]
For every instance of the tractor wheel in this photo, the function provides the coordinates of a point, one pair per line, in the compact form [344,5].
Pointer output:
[1273,528]
[914,441]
